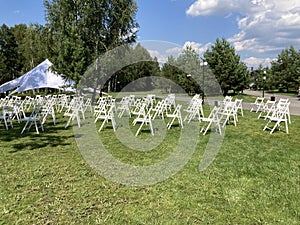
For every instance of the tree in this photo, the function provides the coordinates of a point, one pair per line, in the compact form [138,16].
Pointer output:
[10,63]
[189,61]
[230,72]
[145,67]
[172,73]
[32,44]
[286,69]
[84,29]
[184,71]
[19,32]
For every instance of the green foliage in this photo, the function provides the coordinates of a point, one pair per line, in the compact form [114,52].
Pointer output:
[171,72]
[32,44]
[286,69]
[82,30]
[10,62]
[184,71]
[121,68]
[225,64]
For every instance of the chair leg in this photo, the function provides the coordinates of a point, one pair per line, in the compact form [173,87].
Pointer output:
[53,117]
[209,124]
[5,122]
[151,128]
[138,131]
[286,127]
[170,123]
[24,128]
[69,121]
[266,126]
[277,124]
[102,125]
[78,120]
[36,127]
[113,122]
[180,121]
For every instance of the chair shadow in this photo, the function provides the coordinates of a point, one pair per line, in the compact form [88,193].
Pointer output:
[52,136]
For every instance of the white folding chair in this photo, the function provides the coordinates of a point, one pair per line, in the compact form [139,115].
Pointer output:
[100,107]
[125,104]
[158,110]
[175,115]
[212,120]
[88,105]
[108,116]
[139,110]
[34,118]
[239,106]
[27,103]
[145,119]
[169,102]
[280,115]
[228,112]
[5,117]
[258,104]
[48,109]
[194,110]
[16,111]
[284,102]
[268,108]
[227,99]
[62,102]
[73,111]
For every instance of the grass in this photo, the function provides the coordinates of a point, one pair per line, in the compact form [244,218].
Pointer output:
[254,179]
[291,93]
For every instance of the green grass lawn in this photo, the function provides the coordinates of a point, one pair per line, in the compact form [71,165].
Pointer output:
[292,93]
[254,179]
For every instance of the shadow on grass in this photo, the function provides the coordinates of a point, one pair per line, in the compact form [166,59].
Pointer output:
[53,136]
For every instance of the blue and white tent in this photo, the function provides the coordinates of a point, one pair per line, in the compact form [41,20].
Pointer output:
[39,77]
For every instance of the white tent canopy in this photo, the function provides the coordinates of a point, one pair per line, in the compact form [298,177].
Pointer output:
[39,77]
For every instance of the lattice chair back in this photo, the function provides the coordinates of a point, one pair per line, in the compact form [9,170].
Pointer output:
[285,102]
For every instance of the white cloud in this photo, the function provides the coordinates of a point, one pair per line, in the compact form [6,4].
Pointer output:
[199,48]
[161,57]
[255,62]
[265,26]
[174,51]
[162,50]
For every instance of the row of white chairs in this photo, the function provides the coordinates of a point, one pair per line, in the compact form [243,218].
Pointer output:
[40,108]
[222,114]
[17,112]
[143,110]
[144,113]
[275,112]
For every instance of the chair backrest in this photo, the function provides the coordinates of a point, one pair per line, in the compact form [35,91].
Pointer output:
[36,111]
[238,103]
[177,110]
[227,99]
[214,112]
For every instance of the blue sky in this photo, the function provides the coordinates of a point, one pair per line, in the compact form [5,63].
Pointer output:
[258,29]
